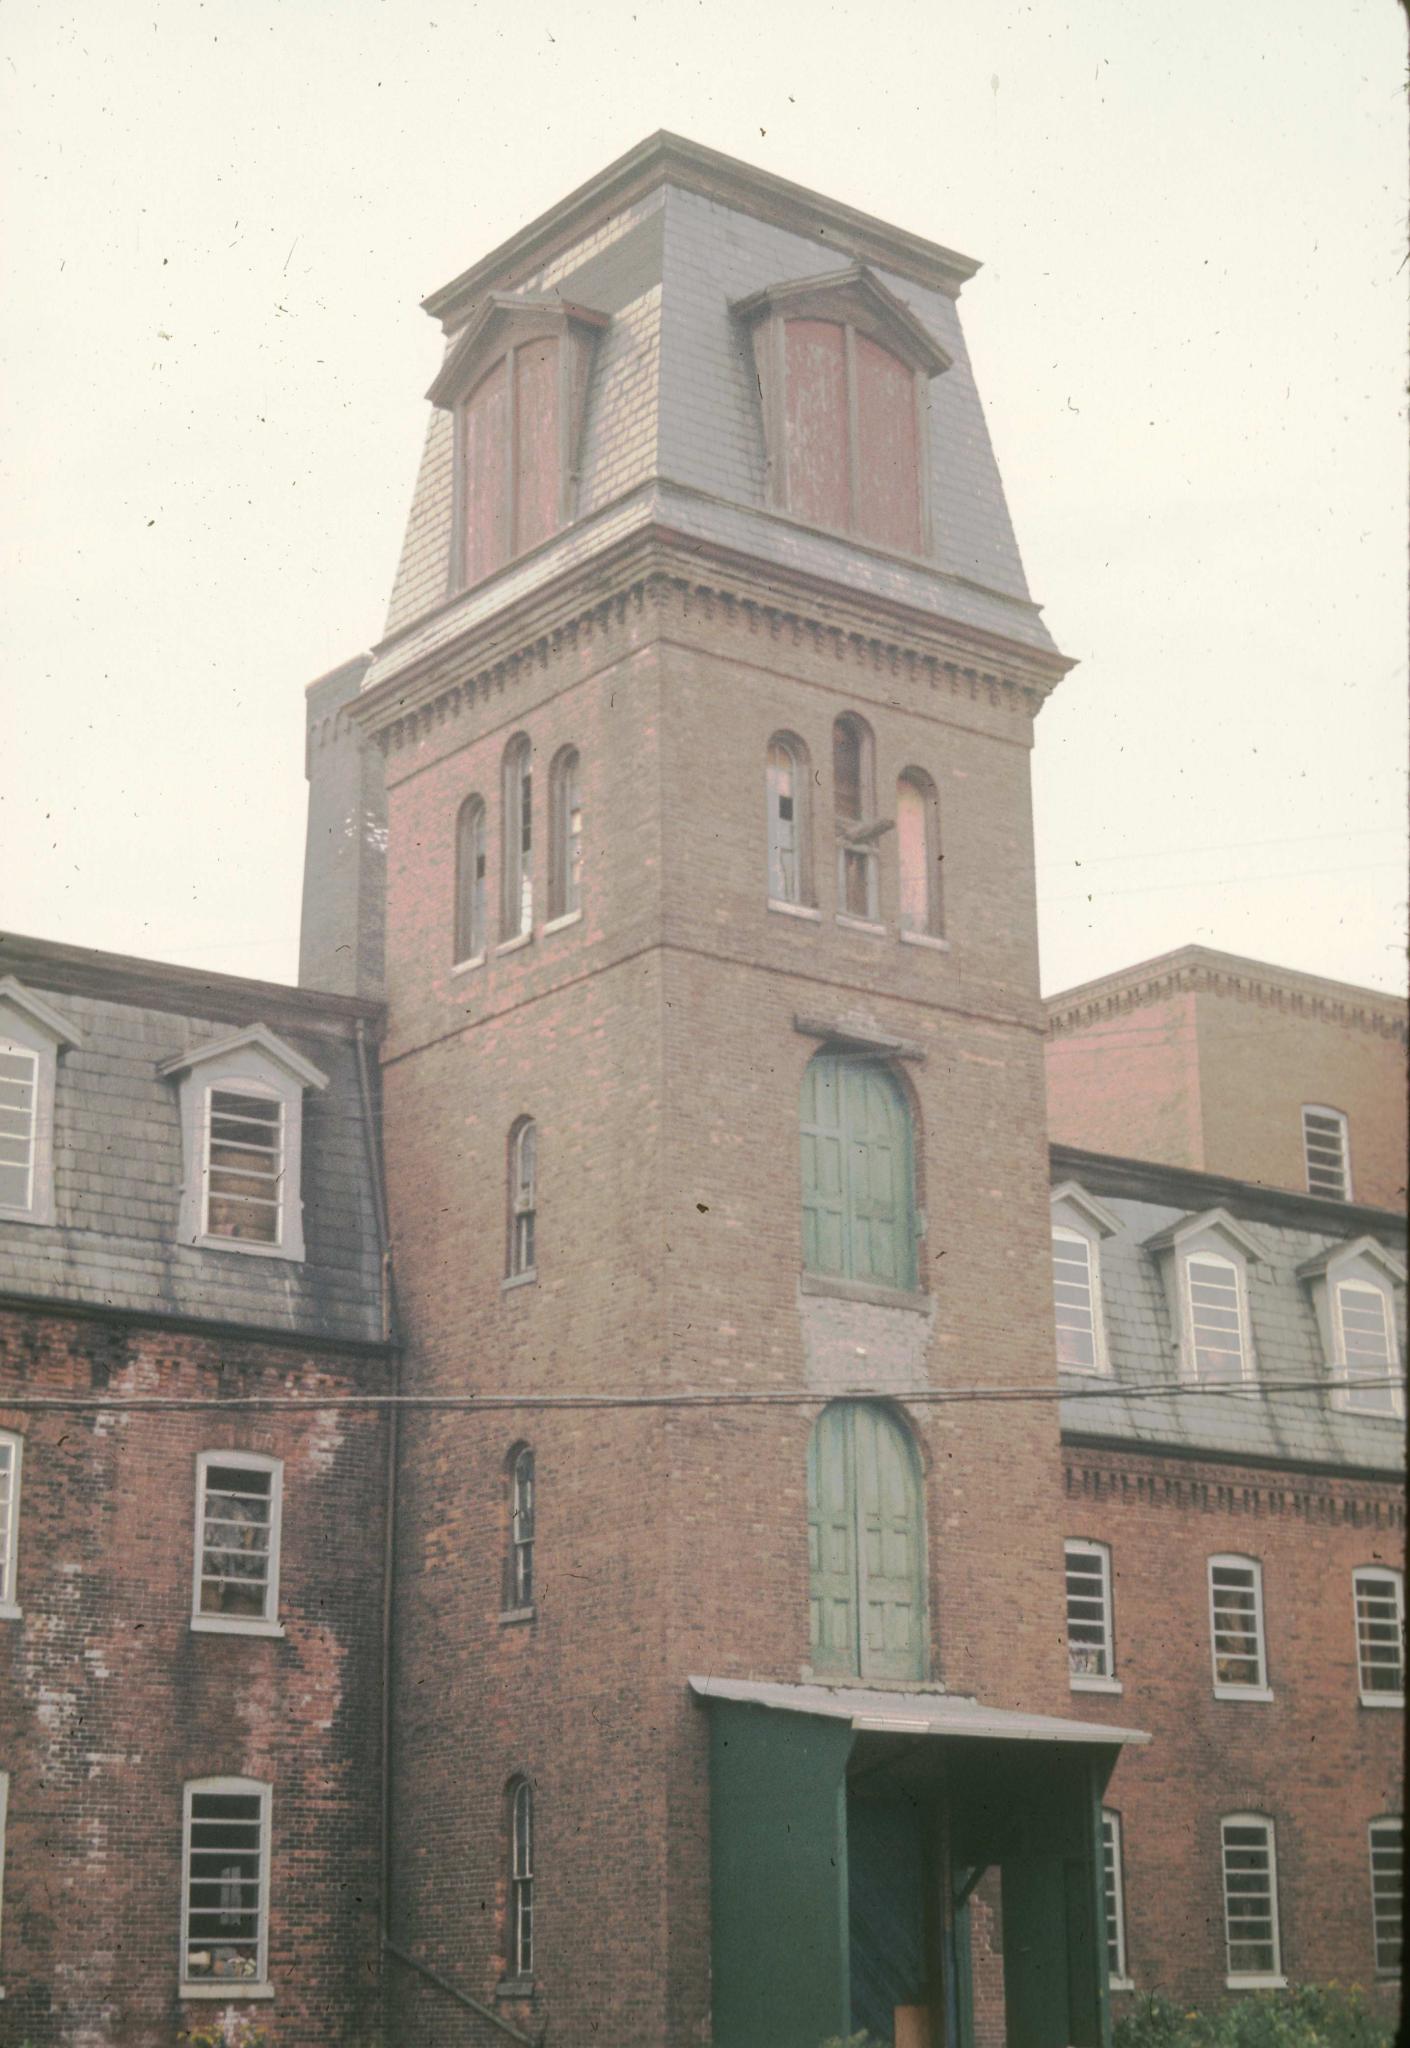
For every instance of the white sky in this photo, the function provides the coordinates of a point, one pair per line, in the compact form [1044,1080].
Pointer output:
[1188,334]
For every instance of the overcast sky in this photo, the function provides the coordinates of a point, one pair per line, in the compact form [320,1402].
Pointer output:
[1188,334]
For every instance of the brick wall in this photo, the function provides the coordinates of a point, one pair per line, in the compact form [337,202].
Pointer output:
[109,1702]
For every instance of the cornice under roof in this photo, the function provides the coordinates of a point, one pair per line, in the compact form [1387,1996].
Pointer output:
[1202,970]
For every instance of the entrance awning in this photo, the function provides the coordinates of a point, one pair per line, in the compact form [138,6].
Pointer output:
[912,1713]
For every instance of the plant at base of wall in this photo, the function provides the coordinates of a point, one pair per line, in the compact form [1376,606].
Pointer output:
[1304,2016]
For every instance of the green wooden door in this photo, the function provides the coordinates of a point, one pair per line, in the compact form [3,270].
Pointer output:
[858,1210]
[865,1550]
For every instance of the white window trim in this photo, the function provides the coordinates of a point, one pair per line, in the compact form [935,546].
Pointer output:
[4,1816]
[1122,1981]
[1253,1980]
[1396,1579]
[1339,1116]
[1388,1973]
[226,1987]
[9,1581]
[1101,1367]
[1197,1255]
[1345,1392]
[30,1025]
[216,1240]
[267,1624]
[1075,1546]
[1223,1690]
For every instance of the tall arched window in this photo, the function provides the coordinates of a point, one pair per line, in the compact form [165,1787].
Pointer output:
[859,1214]
[519,1943]
[918,854]
[854,805]
[523,1197]
[565,835]
[516,851]
[519,1565]
[470,880]
[866,1546]
[786,782]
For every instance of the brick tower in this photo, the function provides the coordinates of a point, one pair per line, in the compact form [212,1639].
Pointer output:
[727,1655]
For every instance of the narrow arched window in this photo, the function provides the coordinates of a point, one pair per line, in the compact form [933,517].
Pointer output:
[516,853]
[866,1546]
[523,1197]
[859,1215]
[566,835]
[786,781]
[520,1932]
[854,807]
[470,880]
[519,1572]
[918,855]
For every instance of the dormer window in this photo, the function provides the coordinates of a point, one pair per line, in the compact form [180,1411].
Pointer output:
[1079,1224]
[32,1036]
[515,381]
[844,368]
[242,1136]
[1204,1263]
[1353,1290]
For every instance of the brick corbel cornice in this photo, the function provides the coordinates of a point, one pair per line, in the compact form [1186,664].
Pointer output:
[1195,971]
[654,573]
[1193,1482]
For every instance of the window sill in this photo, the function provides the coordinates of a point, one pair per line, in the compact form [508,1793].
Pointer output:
[1368,1699]
[10,1610]
[1120,1984]
[39,1214]
[930,939]
[248,1248]
[1095,1684]
[803,910]
[1267,1982]
[859,924]
[468,966]
[561,924]
[514,1987]
[511,1616]
[528,1279]
[513,945]
[226,1987]
[865,1290]
[1243,1692]
[233,1625]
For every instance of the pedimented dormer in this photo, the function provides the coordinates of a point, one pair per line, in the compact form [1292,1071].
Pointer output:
[1079,1223]
[33,1034]
[242,1142]
[1354,1289]
[1203,1261]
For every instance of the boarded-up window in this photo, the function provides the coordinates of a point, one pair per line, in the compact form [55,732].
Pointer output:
[818,462]
[918,853]
[511,456]
[853,434]
[888,466]
[865,1546]
[858,1195]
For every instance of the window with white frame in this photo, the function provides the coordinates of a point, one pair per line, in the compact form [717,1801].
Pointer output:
[517,841]
[523,1198]
[786,783]
[1077,1302]
[519,1591]
[520,1943]
[1326,1152]
[1236,1628]
[1380,1635]
[225,1918]
[33,1035]
[11,1453]
[19,1099]
[239,1501]
[565,878]
[1219,1349]
[1091,1662]
[244,1179]
[1114,1889]
[1251,1899]
[242,1136]
[1387,1891]
[470,881]
[1366,1348]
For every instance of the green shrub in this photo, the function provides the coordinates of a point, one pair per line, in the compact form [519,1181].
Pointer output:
[1305,2016]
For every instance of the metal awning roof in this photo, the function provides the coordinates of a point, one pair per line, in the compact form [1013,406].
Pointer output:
[912,1713]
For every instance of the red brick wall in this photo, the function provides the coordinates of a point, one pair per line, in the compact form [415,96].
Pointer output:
[1313,1759]
[1130,1085]
[109,1702]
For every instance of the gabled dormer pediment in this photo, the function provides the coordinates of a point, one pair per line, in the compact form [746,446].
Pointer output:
[857,298]
[23,1004]
[1334,1256]
[1072,1205]
[244,1050]
[505,320]
[1212,1224]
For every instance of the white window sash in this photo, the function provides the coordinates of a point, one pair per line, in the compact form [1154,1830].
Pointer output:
[259,1091]
[1205,1333]
[1093,1328]
[266,1623]
[1242,1891]
[1378,1598]
[11,1464]
[1091,1660]
[19,1122]
[1386,1844]
[1375,1367]
[1326,1151]
[211,1985]
[1234,1576]
[1114,1892]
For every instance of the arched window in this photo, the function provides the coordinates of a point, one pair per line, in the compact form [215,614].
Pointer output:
[918,855]
[516,851]
[866,1546]
[565,835]
[854,807]
[523,1197]
[859,1216]
[519,1566]
[519,1944]
[470,880]
[786,782]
